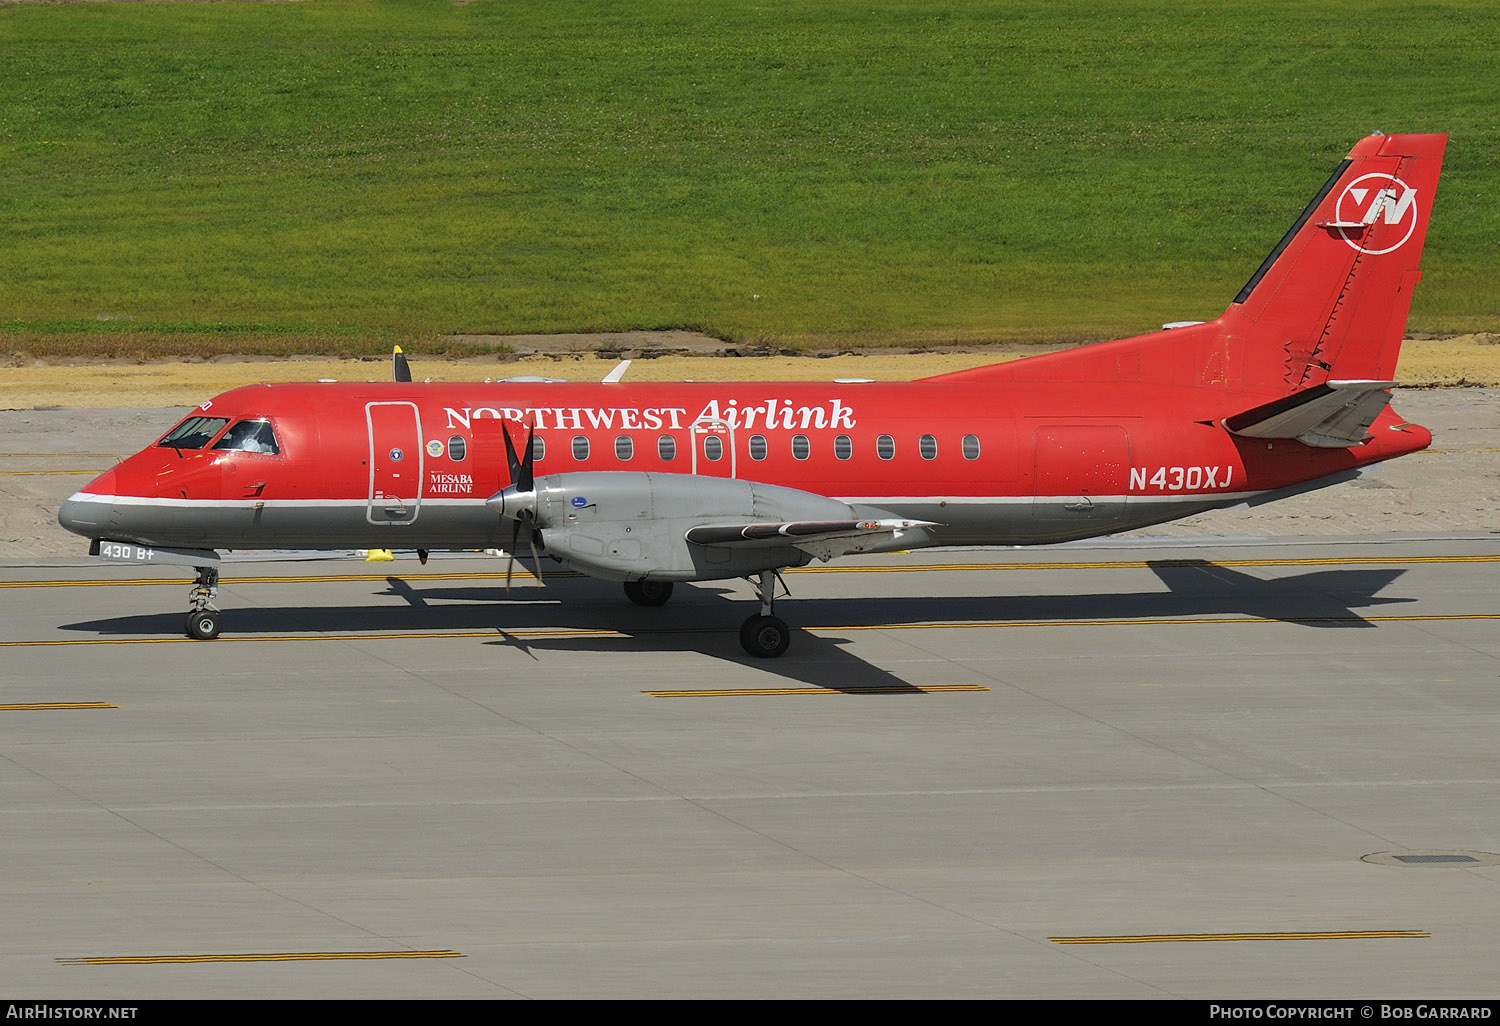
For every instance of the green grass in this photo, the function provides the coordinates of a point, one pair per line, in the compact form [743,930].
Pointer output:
[351,174]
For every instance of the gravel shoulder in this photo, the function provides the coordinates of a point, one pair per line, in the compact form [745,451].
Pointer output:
[1468,360]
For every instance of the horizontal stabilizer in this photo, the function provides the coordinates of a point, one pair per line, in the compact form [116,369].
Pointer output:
[1333,415]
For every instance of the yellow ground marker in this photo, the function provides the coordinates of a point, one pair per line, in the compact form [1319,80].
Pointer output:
[43,706]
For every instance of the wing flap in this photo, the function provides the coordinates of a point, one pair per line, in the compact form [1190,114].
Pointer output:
[1333,415]
[824,539]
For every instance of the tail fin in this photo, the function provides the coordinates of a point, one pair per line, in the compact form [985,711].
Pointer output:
[1332,298]
[1329,303]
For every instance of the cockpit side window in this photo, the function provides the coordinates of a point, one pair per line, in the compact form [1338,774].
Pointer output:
[249,436]
[194,433]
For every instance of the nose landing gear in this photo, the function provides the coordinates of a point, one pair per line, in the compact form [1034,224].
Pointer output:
[202,622]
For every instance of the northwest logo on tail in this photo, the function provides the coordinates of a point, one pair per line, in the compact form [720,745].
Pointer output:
[1376,198]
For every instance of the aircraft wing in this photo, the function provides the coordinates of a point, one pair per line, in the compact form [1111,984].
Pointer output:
[822,538]
[1333,415]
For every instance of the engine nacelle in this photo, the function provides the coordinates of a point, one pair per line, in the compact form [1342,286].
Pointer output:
[624,525]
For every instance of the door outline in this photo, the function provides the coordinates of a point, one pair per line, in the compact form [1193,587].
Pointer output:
[1102,492]
[400,514]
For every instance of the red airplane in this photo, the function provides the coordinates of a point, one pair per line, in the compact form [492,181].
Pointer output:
[651,484]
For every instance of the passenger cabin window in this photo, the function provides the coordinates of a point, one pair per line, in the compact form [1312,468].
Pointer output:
[758,447]
[971,447]
[801,447]
[927,446]
[580,448]
[457,448]
[249,436]
[843,447]
[885,447]
[666,448]
[194,433]
[713,447]
[624,448]
[539,449]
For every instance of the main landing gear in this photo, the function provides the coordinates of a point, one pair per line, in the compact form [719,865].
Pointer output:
[766,635]
[648,593]
[203,619]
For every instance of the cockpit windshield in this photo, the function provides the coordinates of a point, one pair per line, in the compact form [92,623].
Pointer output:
[194,433]
[249,436]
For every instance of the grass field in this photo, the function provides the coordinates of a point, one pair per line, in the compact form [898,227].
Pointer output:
[333,177]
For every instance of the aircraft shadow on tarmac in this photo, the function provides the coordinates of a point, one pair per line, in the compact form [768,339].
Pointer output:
[706,619]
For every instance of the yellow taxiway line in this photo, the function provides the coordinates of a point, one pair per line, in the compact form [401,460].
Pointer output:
[43,473]
[894,568]
[44,706]
[531,635]
[874,689]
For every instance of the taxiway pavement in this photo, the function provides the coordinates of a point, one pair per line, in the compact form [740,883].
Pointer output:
[976,774]
[1249,756]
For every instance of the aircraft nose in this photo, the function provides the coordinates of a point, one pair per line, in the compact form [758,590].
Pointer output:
[87,511]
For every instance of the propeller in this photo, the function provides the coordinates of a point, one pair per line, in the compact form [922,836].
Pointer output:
[399,370]
[520,469]
[518,501]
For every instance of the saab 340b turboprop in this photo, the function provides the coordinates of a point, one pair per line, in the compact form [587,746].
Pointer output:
[652,484]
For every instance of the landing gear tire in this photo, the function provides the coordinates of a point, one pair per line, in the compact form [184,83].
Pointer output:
[203,624]
[765,637]
[648,593]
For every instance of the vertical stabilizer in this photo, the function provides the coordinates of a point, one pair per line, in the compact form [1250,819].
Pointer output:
[1332,298]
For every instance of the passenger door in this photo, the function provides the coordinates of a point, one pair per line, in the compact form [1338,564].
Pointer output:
[395,430]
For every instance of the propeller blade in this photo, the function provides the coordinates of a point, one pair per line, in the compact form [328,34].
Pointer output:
[527,481]
[511,459]
[536,561]
[515,534]
[399,370]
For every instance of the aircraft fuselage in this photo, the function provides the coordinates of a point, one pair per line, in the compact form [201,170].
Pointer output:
[410,466]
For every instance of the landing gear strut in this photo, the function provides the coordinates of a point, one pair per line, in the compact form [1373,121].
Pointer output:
[766,635]
[203,619]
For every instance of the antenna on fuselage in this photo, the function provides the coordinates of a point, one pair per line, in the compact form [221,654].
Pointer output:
[399,370]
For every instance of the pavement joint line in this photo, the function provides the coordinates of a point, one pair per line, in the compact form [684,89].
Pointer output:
[1162,938]
[282,956]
